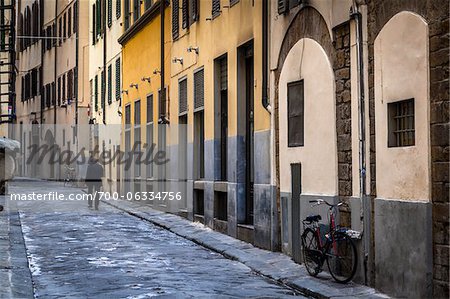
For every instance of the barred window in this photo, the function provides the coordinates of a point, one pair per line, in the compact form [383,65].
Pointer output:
[401,128]
[150,108]
[296,116]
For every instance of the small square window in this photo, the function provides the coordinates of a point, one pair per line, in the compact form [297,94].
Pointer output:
[401,128]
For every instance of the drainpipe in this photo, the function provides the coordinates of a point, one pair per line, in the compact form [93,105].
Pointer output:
[162,100]
[43,44]
[265,56]
[104,62]
[75,74]
[365,205]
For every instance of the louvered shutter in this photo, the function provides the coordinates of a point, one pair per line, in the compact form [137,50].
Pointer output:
[223,74]
[102,78]
[215,8]
[118,8]
[94,26]
[194,10]
[199,89]
[283,6]
[109,13]
[182,96]
[150,108]
[75,17]
[185,14]
[109,84]
[175,19]
[96,93]
[118,79]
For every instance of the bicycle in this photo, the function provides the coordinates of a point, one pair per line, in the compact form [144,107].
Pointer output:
[335,246]
[70,176]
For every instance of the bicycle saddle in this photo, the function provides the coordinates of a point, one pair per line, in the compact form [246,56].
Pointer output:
[313,218]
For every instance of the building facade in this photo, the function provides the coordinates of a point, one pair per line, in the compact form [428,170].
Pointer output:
[105,72]
[359,91]
[52,71]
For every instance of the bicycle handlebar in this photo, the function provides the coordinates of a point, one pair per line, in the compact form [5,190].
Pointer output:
[321,201]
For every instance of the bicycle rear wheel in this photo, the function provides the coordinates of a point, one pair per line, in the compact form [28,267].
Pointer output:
[311,253]
[342,258]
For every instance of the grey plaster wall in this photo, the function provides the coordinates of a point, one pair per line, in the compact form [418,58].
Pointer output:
[403,248]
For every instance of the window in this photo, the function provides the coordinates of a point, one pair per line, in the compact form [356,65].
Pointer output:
[64,88]
[98,17]
[109,84]
[194,9]
[60,35]
[296,114]
[59,91]
[64,26]
[233,2]
[127,115]
[94,26]
[117,78]
[182,93]
[162,101]
[118,8]
[70,85]
[221,110]
[185,14]
[109,13]
[127,14]
[147,4]
[199,89]
[150,108]
[136,10]
[137,137]
[54,93]
[103,88]
[199,144]
[283,6]
[96,92]
[175,19]
[91,90]
[75,17]
[215,8]
[69,22]
[401,127]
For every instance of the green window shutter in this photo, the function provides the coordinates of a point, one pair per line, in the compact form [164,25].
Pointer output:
[103,89]
[118,8]
[283,6]
[109,84]
[215,8]
[94,26]
[98,19]
[185,14]
[109,13]
[96,93]
[199,89]
[175,19]
[118,79]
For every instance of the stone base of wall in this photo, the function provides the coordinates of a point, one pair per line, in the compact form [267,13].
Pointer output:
[403,248]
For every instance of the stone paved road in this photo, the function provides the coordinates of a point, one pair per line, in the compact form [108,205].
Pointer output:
[77,252]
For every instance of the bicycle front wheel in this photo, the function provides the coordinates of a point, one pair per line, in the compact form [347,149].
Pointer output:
[342,258]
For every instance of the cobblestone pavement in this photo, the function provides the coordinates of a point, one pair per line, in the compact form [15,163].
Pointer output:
[74,251]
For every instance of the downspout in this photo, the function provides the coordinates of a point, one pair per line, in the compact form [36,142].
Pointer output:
[265,56]
[41,76]
[75,80]
[365,209]
[104,63]
[162,100]
[55,66]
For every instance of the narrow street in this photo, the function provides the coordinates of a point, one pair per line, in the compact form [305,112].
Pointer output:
[74,251]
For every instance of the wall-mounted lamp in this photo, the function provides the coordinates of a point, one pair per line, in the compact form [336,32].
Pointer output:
[124,91]
[193,49]
[143,79]
[156,71]
[134,85]
[178,59]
